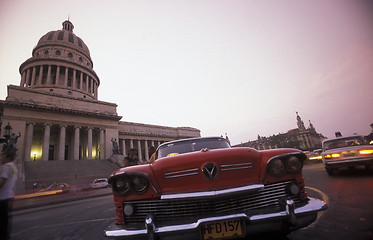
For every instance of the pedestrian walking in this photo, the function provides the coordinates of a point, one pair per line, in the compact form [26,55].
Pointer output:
[8,178]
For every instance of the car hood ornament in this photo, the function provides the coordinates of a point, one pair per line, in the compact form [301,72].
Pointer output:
[210,170]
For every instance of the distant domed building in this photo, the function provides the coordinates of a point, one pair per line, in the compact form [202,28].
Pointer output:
[301,138]
[57,112]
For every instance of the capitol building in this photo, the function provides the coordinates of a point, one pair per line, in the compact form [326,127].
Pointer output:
[58,115]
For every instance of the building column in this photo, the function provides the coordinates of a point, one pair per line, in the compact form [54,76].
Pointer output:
[131,143]
[146,151]
[23,79]
[41,74]
[124,152]
[29,137]
[152,143]
[81,80]
[139,155]
[66,76]
[49,75]
[76,143]
[33,77]
[74,80]
[102,143]
[94,89]
[86,83]
[89,143]
[27,76]
[57,74]
[46,140]
[62,143]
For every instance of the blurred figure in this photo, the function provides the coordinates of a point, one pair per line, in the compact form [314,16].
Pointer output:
[151,151]
[8,178]
[131,158]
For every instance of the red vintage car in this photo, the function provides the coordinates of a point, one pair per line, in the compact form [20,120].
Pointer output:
[201,188]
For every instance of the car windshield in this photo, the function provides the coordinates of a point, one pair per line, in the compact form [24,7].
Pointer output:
[343,142]
[175,148]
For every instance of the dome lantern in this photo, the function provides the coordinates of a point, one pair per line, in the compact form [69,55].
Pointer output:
[68,26]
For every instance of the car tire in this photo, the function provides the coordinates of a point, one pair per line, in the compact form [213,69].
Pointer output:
[330,171]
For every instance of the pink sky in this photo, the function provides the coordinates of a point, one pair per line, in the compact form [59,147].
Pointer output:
[236,67]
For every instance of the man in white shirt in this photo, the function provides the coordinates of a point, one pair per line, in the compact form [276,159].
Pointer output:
[8,178]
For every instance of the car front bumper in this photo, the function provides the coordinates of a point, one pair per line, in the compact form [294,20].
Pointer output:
[295,217]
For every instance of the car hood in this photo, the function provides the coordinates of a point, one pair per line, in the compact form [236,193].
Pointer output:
[207,170]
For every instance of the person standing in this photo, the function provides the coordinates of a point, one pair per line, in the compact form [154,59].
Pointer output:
[131,158]
[8,178]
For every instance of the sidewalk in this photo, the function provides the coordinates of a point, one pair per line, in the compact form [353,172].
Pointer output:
[59,197]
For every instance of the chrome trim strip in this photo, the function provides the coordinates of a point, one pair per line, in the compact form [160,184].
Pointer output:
[182,173]
[238,166]
[313,205]
[235,165]
[212,193]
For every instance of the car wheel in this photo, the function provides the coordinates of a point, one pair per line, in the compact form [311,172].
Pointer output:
[330,171]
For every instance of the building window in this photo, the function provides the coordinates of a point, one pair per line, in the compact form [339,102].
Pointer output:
[58,53]
[60,36]
[71,38]
[80,44]
[50,36]
[46,52]
[70,93]
[80,59]
[70,55]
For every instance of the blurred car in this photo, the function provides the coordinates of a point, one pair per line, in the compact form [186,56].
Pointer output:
[315,155]
[346,152]
[56,187]
[201,188]
[100,183]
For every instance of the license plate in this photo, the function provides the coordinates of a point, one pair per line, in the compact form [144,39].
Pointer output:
[222,229]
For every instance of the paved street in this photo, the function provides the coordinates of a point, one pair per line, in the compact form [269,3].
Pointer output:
[350,213]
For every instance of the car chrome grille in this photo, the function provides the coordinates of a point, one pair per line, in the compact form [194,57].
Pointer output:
[193,207]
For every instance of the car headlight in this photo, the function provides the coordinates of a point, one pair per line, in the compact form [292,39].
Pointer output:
[139,184]
[121,186]
[293,164]
[276,167]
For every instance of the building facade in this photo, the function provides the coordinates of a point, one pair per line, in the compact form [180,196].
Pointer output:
[301,138]
[56,110]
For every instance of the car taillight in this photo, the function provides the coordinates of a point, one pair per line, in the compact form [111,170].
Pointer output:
[333,155]
[366,151]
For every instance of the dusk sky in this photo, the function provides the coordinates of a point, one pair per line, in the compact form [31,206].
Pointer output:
[237,67]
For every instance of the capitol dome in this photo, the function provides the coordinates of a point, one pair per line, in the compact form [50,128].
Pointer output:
[64,38]
[61,64]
